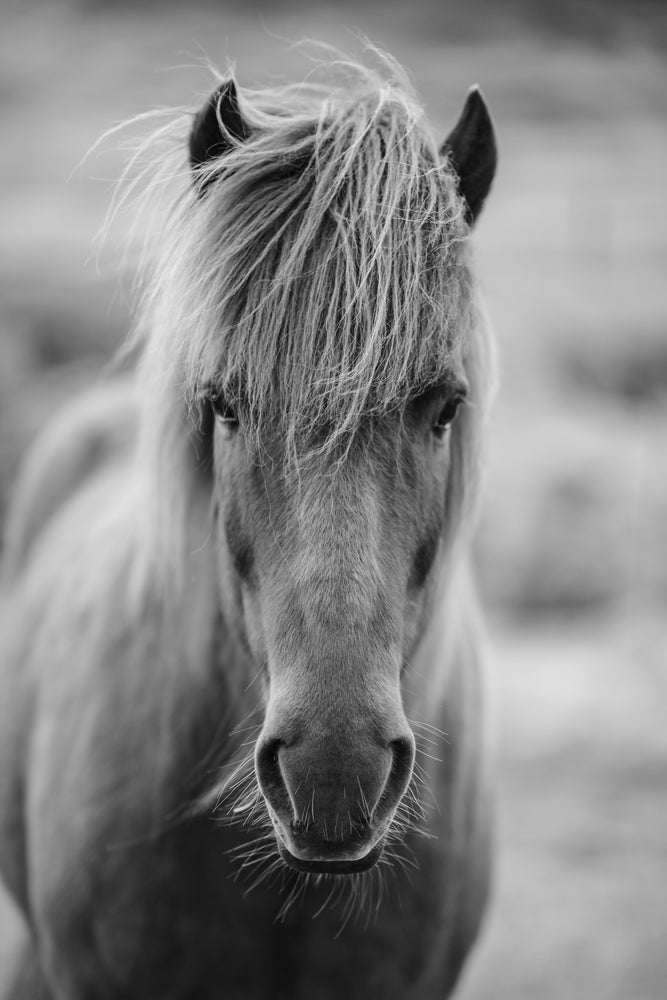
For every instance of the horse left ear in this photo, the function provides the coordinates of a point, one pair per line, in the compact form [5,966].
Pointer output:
[216,129]
[471,149]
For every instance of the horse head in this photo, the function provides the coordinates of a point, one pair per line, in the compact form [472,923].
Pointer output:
[332,523]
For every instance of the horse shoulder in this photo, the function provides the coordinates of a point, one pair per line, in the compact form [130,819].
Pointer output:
[86,434]
[87,669]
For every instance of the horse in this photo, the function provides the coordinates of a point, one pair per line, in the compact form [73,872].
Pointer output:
[242,735]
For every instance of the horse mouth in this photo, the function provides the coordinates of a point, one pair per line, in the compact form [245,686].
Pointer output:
[331,866]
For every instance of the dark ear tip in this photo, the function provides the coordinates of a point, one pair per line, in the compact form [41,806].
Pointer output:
[476,109]
[207,139]
[225,97]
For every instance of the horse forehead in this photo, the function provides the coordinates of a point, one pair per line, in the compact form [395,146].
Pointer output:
[339,510]
[328,506]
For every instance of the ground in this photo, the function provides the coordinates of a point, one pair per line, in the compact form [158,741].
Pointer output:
[572,551]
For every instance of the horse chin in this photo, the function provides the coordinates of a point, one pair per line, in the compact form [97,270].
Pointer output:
[331,865]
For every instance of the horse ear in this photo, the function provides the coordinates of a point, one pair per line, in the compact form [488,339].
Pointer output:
[216,129]
[471,149]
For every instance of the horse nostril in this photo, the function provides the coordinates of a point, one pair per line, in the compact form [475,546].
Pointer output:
[403,759]
[403,749]
[269,776]
[267,760]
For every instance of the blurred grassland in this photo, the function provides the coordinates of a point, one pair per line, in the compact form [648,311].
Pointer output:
[572,250]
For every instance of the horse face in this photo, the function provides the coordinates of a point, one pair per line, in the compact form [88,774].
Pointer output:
[330,574]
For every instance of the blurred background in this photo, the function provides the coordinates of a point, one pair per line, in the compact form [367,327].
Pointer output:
[572,250]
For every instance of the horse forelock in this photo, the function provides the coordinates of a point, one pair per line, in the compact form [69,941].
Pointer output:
[324,278]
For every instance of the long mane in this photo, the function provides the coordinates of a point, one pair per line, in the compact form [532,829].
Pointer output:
[324,278]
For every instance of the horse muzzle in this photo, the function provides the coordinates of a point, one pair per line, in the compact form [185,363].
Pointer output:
[332,800]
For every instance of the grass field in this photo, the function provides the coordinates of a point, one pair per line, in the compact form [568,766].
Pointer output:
[573,542]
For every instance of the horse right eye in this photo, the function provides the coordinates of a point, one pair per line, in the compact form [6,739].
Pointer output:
[224,411]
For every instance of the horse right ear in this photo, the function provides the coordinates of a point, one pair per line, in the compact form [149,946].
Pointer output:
[471,150]
[218,127]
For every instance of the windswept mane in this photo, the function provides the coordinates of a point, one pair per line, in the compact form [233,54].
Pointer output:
[321,278]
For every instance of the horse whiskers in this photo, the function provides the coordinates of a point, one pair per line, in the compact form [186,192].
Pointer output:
[397,862]
[244,725]
[356,896]
[326,902]
[238,782]
[238,795]
[426,741]
[297,890]
[273,868]
[257,869]
[250,847]
[429,728]
[364,801]
[360,898]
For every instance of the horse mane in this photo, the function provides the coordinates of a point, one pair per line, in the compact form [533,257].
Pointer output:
[323,279]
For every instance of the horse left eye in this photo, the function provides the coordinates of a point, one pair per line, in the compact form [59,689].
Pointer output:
[224,411]
[446,416]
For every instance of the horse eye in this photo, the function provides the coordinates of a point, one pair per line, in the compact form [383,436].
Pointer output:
[224,411]
[446,416]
